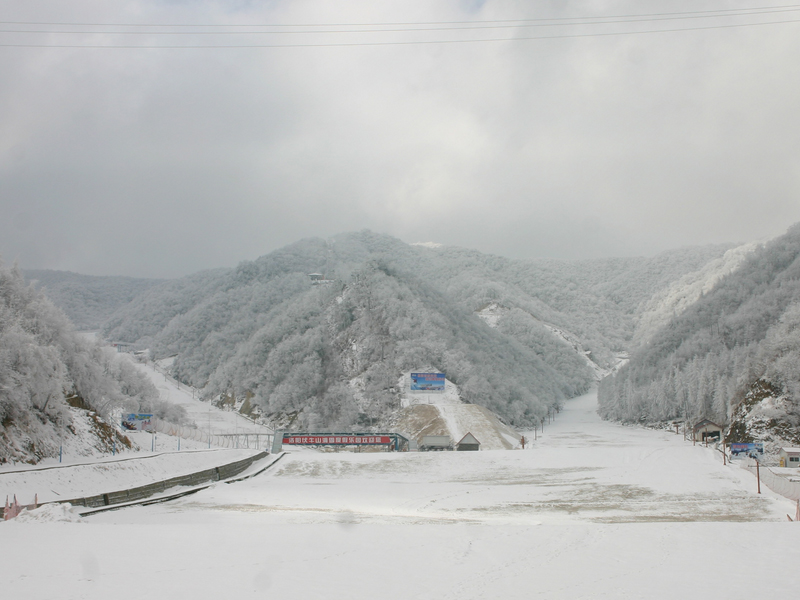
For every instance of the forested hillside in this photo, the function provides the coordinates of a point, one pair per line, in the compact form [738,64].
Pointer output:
[87,300]
[743,335]
[334,351]
[47,371]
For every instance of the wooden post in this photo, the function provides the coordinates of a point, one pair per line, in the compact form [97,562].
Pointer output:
[758,476]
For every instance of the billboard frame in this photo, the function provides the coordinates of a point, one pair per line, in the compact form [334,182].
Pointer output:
[427,383]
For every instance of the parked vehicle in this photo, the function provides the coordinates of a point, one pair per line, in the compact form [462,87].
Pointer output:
[429,443]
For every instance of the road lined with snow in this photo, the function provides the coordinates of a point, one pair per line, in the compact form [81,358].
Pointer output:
[592,510]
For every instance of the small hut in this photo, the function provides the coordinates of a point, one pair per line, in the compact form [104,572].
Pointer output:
[790,457]
[467,443]
[707,431]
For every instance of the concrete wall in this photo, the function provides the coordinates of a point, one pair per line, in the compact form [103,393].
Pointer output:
[146,491]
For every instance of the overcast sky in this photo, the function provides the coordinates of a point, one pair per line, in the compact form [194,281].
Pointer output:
[160,162]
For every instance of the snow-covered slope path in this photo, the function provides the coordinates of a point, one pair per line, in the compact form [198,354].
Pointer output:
[593,510]
[203,414]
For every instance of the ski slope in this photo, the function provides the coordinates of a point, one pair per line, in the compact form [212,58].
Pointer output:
[445,413]
[591,510]
[203,414]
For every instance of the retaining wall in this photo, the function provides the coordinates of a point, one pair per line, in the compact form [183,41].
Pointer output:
[145,491]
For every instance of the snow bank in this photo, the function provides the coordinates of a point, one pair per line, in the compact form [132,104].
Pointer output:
[50,513]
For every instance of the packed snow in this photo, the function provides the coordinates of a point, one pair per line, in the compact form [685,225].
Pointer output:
[444,413]
[202,414]
[590,510]
[492,313]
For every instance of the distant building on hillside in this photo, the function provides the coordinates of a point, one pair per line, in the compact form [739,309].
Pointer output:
[707,431]
[319,278]
[467,443]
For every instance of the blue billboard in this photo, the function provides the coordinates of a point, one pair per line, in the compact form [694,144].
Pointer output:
[134,422]
[427,382]
[753,449]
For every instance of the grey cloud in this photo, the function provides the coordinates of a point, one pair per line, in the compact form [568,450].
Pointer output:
[164,162]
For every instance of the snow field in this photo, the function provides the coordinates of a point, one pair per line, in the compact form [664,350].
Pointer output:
[592,510]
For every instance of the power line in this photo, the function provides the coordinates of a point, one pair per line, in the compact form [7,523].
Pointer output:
[385,43]
[643,16]
[475,27]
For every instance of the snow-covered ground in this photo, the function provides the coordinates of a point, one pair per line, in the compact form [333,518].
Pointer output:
[591,510]
[202,414]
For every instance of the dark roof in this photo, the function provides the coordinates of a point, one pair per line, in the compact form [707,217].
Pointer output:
[468,439]
[705,422]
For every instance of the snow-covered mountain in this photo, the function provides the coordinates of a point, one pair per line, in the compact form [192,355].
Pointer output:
[680,295]
[87,300]
[291,329]
[737,341]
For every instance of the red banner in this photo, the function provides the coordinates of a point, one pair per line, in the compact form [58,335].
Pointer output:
[349,440]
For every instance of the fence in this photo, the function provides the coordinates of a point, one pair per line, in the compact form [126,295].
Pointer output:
[145,491]
[254,441]
[777,483]
[230,440]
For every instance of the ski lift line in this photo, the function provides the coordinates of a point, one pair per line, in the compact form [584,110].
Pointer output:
[758,10]
[409,29]
[402,43]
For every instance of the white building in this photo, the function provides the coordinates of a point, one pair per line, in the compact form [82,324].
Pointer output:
[790,457]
